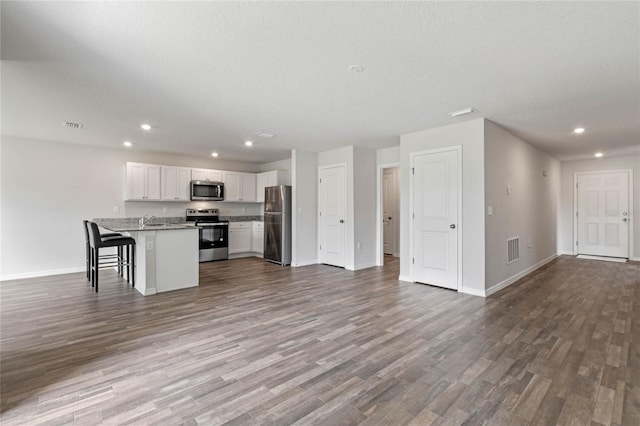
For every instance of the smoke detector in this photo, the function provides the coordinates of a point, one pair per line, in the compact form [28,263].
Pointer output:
[70,125]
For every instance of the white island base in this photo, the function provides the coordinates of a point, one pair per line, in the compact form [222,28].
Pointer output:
[166,260]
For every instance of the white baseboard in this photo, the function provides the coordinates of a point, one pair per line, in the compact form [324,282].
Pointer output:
[516,277]
[566,253]
[365,266]
[405,278]
[635,259]
[304,263]
[47,273]
[473,292]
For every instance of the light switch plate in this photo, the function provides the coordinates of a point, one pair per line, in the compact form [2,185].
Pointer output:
[490,210]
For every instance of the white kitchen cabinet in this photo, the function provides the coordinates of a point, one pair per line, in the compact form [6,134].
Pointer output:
[143,182]
[272,178]
[240,237]
[239,186]
[257,238]
[175,183]
[207,175]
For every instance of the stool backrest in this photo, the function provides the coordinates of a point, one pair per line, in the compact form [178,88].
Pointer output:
[85,227]
[94,234]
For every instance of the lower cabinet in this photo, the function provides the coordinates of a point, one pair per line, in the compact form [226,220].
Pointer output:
[246,238]
[257,243]
[239,237]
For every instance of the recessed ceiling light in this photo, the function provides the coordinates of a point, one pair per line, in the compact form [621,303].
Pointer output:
[127,144]
[598,154]
[462,112]
[214,154]
[145,126]
[248,143]
[578,130]
[355,68]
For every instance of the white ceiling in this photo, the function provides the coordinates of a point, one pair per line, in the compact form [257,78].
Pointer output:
[209,75]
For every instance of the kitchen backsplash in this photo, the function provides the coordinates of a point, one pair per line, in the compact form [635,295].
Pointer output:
[140,208]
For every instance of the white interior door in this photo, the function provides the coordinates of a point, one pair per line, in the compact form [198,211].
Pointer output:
[435,222]
[388,208]
[603,214]
[332,192]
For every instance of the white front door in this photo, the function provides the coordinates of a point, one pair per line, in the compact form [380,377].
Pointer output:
[332,215]
[389,221]
[603,214]
[435,222]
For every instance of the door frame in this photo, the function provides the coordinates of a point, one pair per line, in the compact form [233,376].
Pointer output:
[346,213]
[629,173]
[379,207]
[458,150]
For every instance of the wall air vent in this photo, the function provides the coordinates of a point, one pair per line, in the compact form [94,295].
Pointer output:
[513,249]
[71,125]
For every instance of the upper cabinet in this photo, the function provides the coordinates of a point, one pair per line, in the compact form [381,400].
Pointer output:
[153,182]
[175,183]
[206,174]
[265,179]
[143,182]
[239,186]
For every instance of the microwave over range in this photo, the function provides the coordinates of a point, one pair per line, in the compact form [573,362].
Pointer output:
[204,190]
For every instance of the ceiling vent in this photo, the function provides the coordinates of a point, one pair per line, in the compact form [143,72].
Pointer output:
[265,135]
[71,125]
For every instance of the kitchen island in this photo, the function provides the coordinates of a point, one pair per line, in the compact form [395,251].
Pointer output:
[166,255]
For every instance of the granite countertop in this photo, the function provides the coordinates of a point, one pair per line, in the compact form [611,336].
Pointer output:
[131,224]
[150,227]
[243,218]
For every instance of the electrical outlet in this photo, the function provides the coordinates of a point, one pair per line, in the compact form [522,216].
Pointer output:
[490,210]
[164,210]
[530,245]
[149,245]
[358,246]
[116,209]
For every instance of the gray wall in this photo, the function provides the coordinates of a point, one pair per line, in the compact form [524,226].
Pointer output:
[530,212]
[364,193]
[304,178]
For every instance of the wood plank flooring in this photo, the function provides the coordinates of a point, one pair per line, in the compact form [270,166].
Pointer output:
[260,344]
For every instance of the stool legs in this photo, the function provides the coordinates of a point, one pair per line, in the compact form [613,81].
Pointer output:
[126,258]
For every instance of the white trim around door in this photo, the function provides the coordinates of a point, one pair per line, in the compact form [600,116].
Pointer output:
[460,227]
[379,231]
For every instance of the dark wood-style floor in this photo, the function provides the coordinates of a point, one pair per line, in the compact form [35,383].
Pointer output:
[260,344]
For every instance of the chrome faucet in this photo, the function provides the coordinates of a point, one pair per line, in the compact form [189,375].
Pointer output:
[144,218]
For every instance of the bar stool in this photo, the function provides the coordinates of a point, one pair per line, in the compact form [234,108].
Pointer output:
[85,227]
[96,242]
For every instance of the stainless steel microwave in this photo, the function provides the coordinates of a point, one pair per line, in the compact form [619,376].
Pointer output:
[204,190]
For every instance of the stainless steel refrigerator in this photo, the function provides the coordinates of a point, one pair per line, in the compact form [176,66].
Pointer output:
[277,224]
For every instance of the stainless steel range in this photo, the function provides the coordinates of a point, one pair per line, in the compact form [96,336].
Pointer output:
[214,233]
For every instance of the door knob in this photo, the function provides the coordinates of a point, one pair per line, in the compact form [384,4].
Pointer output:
[452,226]
[389,217]
[624,219]
[341,221]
